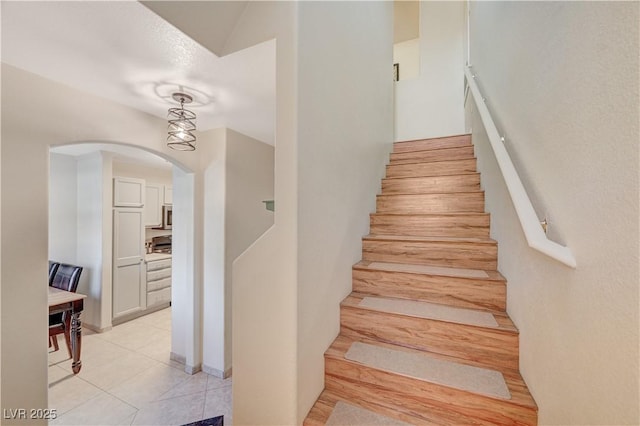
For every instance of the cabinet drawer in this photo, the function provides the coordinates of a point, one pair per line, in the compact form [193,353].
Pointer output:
[159,274]
[159,296]
[158,264]
[157,285]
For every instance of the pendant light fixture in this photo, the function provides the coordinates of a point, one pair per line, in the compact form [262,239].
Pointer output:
[182,123]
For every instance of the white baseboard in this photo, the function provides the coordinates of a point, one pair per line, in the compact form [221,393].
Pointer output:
[177,358]
[192,369]
[95,328]
[217,373]
[189,369]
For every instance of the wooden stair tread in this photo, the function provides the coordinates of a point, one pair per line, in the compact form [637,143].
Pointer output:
[432,203]
[323,408]
[432,184]
[431,284]
[431,155]
[503,321]
[435,168]
[433,163]
[405,178]
[517,388]
[432,143]
[430,270]
[431,239]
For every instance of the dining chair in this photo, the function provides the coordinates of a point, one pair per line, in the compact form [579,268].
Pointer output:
[66,277]
[53,267]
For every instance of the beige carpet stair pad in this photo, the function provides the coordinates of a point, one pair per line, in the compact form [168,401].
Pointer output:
[426,269]
[344,414]
[430,311]
[424,367]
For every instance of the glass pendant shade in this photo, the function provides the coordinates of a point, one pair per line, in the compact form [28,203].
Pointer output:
[182,123]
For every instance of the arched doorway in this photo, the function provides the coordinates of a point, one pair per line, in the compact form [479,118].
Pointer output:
[99,167]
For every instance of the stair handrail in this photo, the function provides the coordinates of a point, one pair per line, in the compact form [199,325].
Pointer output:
[531,225]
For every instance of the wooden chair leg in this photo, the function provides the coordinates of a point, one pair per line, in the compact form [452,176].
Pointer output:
[67,333]
[54,340]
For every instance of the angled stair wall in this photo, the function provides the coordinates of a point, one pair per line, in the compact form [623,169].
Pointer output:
[424,337]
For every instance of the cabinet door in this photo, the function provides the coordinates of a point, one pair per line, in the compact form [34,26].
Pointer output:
[153,205]
[129,281]
[168,195]
[128,192]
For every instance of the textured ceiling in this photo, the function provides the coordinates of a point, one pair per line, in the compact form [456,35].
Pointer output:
[124,52]
[210,23]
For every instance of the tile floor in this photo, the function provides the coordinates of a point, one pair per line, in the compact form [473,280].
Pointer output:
[128,379]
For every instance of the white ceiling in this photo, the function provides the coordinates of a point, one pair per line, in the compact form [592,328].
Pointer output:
[210,23]
[124,52]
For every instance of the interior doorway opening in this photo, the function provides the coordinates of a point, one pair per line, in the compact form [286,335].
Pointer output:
[95,221]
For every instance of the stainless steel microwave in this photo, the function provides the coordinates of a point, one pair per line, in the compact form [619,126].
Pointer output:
[167,217]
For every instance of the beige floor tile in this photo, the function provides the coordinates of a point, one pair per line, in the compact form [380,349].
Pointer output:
[57,374]
[159,319]
[193,384]
[132,335]
[103,409]
[216,382]
[149,385]
[119,370]
[218,403]
[175,411]
[70,391]
[129,367]
[158,348]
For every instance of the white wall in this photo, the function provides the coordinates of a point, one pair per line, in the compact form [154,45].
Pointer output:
[407,56]
[214,292]
[264,276]
[149,173]
[90,239]
[239,175]
[183,265]
[249,170]
[432,105]
[57,114]
[563,88]
[333,130]
[63,215]
[344,136]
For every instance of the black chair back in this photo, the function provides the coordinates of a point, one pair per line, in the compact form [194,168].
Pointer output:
[67,277]
[53,267]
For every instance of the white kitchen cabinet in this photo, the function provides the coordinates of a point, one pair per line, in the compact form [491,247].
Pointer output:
[154,195]
[158,282]
[129,287]
[128,192]
[168,195]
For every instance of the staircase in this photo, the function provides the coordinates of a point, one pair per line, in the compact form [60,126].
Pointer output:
[424,335]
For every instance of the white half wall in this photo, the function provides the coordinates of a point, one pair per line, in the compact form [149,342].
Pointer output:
[249,171]
[432,105]
[264,276]
[563,87]
[239,175]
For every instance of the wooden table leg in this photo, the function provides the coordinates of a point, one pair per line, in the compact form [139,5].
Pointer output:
[76,341]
